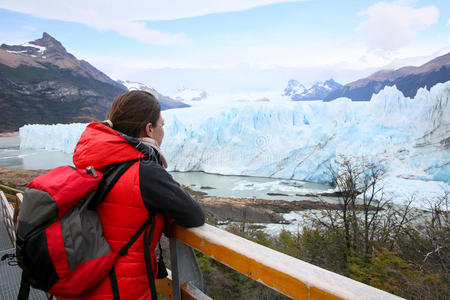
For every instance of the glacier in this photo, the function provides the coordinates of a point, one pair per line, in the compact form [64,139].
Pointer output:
[300,140]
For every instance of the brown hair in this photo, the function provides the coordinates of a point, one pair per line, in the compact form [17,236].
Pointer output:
[131,111]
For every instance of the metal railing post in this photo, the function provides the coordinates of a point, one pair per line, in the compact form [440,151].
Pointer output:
[184,267]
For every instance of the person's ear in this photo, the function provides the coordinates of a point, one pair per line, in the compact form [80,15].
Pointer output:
[148,129]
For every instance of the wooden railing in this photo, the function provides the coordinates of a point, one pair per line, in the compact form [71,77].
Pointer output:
[285,274]
[10,202]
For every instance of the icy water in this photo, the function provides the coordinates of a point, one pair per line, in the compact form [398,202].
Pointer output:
[11,156]
[248,187]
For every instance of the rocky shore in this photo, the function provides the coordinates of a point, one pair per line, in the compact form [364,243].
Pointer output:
[18,178]
[222,209]
[8,134]
[219,210]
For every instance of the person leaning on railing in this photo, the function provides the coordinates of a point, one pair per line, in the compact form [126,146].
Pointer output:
[134,130]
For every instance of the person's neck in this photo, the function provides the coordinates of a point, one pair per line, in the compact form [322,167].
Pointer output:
[151,142]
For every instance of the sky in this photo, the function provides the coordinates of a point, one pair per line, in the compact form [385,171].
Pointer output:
[235,45]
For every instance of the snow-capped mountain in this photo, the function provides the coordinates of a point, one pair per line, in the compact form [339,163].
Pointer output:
[407,79]
[166,102]
[47,50]
[318,91]
[41,82]
[136,86]
[294,88]
[186,94]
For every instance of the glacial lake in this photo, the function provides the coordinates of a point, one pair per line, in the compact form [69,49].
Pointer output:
[11,156]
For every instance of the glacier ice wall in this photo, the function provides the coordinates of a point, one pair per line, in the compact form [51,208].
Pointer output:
[62,137]
[298,140]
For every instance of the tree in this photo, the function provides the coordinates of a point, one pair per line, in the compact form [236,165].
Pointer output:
[361,199]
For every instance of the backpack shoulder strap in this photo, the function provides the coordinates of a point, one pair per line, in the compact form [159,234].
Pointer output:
[148,237]
[24,290]
[123,251]
[110,177]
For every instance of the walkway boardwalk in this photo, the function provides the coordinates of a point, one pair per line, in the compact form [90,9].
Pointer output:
[10,275]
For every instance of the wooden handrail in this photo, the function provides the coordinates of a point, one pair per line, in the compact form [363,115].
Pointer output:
[8,188]
[8,214]
[290,276]
[10,193]
[188,291]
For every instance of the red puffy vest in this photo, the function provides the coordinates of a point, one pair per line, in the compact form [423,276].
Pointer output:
[122,212]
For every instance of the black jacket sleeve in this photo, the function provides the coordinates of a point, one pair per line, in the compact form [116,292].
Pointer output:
[162,193]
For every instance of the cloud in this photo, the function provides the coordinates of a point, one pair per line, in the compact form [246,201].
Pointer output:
[126,17]
[29,28]
[353,55]
[139,32]
[448,23]
[390,26]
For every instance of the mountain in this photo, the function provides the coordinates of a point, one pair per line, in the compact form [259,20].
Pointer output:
[318,91]
[190,95]
[166,102]
[40,82]
[48,50]
[294,87]
[407,79]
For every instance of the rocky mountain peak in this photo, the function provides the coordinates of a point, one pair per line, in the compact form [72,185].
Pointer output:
[297,91]
[407,79]
[166,101]
[332,84]
[294,87]
[50,43]
[46,47]
[43,83]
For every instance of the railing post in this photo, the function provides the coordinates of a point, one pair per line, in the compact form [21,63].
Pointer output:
[8,214]
[17,204]
[184,267]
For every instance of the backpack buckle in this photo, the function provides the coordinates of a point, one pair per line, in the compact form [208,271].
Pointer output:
[91,170]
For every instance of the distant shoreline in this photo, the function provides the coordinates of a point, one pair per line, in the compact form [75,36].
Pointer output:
[8,134]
